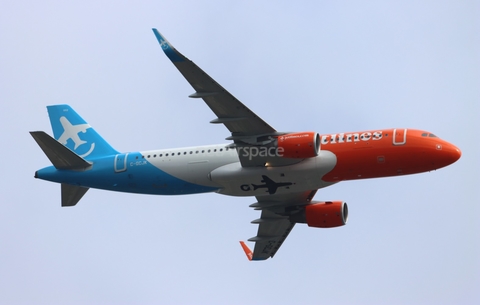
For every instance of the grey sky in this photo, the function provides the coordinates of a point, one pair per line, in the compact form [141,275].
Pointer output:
[327,66]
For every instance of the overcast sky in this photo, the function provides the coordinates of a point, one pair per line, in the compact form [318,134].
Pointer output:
[329,66]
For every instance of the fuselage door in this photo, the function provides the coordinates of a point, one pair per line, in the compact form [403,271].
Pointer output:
[120,163]
[399,136]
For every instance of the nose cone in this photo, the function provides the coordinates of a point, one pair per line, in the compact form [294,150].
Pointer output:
[456,154]
[450,153]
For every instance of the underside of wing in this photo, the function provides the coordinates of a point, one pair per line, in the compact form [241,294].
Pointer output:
[240,120]
[273,229]
[276,221]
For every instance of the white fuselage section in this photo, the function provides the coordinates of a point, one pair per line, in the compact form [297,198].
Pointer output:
[218,166]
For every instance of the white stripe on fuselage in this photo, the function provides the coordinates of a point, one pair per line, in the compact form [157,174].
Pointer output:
[192,164]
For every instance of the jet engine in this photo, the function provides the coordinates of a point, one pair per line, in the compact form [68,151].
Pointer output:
[326,214]
[299,145]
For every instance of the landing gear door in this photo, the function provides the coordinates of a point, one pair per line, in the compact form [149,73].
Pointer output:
[399,136]
[120,163]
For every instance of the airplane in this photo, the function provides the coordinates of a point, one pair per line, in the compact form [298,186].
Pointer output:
[291,165]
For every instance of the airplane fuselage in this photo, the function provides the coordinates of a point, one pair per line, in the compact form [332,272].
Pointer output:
[217,168]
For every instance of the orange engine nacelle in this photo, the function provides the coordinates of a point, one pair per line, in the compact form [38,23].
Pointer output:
[299,145]
[327,214]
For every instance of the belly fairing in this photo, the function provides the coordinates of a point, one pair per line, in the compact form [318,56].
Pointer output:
[236,180]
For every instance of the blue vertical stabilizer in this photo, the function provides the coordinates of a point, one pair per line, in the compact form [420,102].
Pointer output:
[75,133]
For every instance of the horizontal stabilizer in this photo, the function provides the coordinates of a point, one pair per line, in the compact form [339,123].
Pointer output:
[71,194]
[60,156]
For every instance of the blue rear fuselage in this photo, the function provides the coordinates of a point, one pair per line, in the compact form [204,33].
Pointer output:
[134,175]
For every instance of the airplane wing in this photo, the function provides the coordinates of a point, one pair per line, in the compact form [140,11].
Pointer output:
[247,130]
[240,120]
[274,225]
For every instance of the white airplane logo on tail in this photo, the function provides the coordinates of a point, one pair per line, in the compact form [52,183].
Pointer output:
[71,132]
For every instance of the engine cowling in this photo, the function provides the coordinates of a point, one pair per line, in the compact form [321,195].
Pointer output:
[299,145]
[327,214]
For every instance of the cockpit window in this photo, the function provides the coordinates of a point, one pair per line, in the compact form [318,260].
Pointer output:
[431,135]
[424,134]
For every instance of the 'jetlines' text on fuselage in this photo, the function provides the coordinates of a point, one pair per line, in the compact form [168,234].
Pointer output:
[351,137]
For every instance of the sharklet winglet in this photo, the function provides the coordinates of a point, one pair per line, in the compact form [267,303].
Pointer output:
[168,49]
[247,250]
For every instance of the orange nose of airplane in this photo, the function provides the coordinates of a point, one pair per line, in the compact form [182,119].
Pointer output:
[450,153]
